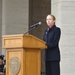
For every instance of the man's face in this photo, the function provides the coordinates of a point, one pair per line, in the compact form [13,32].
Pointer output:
[49,20]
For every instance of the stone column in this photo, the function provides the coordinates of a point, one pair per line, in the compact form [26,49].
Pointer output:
[64,10]
[15,17]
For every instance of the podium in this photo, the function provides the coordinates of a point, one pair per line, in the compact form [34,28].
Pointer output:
[23,54]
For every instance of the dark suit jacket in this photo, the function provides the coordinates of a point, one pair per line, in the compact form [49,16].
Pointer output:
[51,37]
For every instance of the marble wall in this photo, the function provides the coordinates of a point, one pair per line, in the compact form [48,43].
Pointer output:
[15,16]
[65,14]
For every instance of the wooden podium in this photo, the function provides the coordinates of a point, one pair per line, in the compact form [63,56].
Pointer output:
[23,54]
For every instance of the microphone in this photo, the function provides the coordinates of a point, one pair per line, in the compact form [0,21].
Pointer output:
[35,25]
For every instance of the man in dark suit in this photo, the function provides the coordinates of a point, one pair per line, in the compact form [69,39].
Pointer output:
[52,53]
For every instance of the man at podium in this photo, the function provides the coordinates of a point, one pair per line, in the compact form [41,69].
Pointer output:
[52,53]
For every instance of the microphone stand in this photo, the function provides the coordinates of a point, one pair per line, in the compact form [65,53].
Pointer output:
[30,29]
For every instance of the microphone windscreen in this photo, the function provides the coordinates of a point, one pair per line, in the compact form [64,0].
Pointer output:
[40,23]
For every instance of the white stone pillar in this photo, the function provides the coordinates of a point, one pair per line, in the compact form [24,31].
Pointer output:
[64,10]
[15,17]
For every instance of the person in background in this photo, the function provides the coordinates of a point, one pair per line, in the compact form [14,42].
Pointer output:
[52,52]
[2,64]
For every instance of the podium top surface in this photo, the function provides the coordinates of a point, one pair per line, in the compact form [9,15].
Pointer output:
[22,41]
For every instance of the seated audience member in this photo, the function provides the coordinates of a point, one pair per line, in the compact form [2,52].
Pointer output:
[2,65]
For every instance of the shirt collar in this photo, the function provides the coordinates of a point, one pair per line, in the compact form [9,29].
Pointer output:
[51,28]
